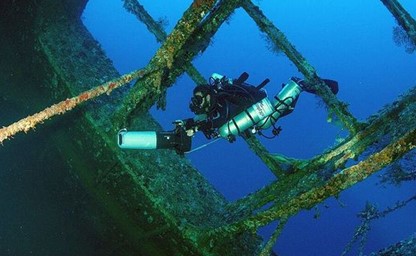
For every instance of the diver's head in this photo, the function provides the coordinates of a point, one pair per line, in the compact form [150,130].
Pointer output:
[203,99]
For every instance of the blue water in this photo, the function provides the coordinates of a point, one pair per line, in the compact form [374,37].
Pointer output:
[349,41]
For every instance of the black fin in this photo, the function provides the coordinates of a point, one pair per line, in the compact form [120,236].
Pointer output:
[242,78]
[260,86]
[332,84]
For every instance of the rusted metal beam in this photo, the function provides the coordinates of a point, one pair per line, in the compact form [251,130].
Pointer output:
[279,39]
[341,181]
[268,159]
[404,19]
[157,30]
[404,247]
[175,53]
[268,247]
[134,7]
[306,174]
[30,122]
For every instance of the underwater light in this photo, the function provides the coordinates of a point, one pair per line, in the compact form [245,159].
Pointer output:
[176,139]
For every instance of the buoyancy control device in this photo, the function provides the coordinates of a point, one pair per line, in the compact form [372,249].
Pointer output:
[263,114]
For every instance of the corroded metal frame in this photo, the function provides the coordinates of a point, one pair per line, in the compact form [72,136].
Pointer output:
[299,183]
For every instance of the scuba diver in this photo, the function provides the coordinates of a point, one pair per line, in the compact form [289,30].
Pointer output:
[224,108]
[216,103]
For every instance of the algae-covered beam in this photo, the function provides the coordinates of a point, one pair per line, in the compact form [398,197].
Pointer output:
[279,39]
[148,91]
[134,7]
[305,174]
[268,247]
[30,122]
[202,36]
[356,144]
[278,164]
[267,158]
[145,93]
[404,247]
[156,28]
[404,19]
[339,182]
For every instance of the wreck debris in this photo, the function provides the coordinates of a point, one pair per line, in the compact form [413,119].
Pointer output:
[304,183]
[339,182]
[369,214]
[402,248]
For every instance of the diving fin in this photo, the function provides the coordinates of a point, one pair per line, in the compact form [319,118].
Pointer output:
[242,78]
[260,86]
[332,85]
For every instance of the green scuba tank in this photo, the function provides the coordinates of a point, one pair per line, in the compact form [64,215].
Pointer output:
[262,114]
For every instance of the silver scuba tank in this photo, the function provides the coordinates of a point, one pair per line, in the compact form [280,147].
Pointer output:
[246,119]
[262,114]
[282,103]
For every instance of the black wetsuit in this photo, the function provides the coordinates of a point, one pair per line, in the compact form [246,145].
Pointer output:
[230,100]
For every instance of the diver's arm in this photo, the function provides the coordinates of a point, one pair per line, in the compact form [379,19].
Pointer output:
[200,123]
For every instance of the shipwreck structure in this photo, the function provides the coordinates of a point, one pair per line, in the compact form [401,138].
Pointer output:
[156,202]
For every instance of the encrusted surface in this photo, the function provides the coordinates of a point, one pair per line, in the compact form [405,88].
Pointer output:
[158,198]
